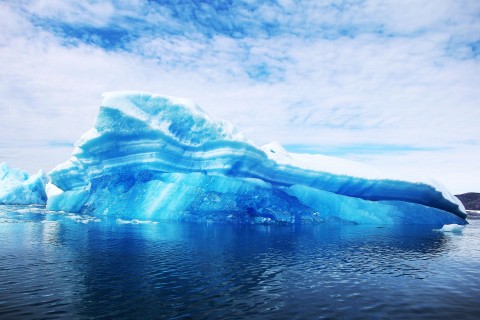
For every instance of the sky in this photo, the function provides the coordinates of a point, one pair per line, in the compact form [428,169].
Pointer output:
[394,84]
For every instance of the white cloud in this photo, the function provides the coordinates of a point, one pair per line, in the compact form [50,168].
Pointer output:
[95,13]
[311,88]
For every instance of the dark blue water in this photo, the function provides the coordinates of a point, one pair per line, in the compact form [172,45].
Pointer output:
[65,266]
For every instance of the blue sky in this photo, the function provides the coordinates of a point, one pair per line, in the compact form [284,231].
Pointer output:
[389,83]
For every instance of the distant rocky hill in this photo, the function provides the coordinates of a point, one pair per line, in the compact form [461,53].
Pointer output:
[470,200]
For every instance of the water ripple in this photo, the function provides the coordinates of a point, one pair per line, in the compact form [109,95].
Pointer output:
[52,267]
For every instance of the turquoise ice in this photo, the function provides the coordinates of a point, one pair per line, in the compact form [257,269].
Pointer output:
[18,187]
[153,157]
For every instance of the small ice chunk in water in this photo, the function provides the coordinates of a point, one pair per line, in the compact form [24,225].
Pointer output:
[455,228]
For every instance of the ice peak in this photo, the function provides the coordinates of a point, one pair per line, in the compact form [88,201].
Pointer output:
[180,119]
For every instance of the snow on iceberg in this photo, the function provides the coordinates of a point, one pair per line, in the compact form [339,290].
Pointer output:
[153,157]
[17,187]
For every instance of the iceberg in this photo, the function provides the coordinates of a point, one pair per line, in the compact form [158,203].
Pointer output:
[151,157]
[18,187]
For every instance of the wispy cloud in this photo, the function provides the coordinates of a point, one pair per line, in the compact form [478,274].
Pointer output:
[337,75]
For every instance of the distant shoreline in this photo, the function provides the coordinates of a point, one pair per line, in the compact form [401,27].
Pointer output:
[473,214]
[471,202]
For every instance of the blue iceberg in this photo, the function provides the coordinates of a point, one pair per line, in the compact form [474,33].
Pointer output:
[154,157]
[18,187]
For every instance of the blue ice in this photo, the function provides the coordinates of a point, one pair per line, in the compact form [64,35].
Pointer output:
[18,187]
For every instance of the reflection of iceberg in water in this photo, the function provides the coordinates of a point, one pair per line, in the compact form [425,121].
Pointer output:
[189,265]
[174,270]
[151,157]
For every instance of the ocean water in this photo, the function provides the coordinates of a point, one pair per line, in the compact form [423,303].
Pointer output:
[56,265]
